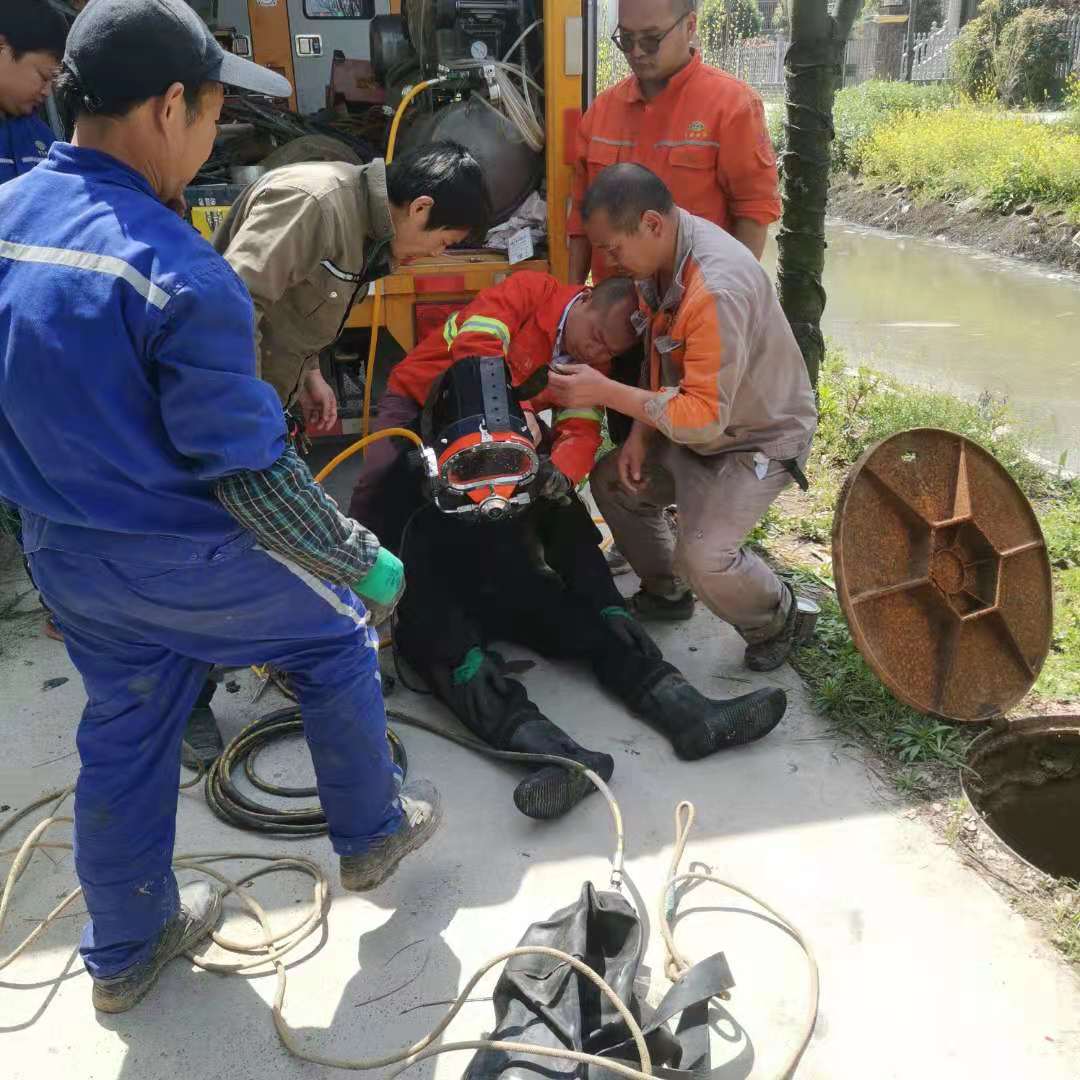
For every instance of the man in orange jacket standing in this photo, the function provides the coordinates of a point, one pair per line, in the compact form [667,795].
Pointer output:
[701,130]
[531,320]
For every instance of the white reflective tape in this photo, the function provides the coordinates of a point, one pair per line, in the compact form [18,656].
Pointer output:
[341,275]
[85,260]
[688,142]
[318,587]
[34,160]
[7,161]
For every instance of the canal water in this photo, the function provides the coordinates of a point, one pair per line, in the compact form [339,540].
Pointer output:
[960,321]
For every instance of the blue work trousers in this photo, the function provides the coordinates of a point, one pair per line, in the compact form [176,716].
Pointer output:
[144,637]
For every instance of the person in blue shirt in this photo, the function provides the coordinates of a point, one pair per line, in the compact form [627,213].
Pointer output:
[32,36]
[168,522]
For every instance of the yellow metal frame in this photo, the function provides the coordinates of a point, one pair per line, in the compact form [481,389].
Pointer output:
[562,103]
[271,39]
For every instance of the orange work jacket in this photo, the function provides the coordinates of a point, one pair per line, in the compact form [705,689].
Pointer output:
[520,319]
[704,135]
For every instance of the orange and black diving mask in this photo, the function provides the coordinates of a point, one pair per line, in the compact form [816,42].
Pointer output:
[485,460]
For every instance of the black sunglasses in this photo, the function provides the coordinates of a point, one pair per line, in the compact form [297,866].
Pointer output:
[649,43]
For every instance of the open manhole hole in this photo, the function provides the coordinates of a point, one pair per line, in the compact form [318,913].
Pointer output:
[1024,781]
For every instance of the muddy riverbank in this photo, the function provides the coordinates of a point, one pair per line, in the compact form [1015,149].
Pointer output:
[1030,232]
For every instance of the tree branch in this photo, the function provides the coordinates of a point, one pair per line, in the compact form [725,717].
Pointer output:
[847,11]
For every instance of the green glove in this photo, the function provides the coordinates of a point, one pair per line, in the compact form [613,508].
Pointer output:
[385,581]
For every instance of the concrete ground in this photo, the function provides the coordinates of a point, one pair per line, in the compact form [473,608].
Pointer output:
[925,972]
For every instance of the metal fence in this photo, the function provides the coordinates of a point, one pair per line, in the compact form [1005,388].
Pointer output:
[930,54]
[1073,63]
[875,51]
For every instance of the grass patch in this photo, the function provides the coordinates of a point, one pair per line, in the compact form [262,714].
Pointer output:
[859,111]
[1060,518]
[971,151]
[853,699]
[939,144]
[858,409]
[1065,921]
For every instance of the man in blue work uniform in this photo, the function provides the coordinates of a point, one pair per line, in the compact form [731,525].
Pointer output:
[168,523]
[31,45]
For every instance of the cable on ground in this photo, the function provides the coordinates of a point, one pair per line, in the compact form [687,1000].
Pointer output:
[275,945]
[235,808]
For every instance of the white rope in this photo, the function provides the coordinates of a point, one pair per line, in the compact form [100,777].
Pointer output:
[274,946]
[676,965]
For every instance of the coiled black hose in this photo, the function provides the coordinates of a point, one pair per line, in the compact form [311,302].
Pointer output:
[234,807]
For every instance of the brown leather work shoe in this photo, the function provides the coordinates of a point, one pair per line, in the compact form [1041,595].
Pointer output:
[200,909]
[423,812]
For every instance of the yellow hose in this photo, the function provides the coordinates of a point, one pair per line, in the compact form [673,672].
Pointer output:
[376,304]
[376,315]
[419,88]
[359,445]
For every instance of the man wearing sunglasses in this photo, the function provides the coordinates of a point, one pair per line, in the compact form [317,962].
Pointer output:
[701,130]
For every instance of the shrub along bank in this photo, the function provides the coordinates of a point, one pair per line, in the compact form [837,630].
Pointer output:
[939,144]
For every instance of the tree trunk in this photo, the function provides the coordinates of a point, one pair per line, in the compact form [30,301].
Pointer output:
[813,67]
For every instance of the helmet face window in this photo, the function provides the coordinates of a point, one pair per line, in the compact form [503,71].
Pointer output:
[488,461]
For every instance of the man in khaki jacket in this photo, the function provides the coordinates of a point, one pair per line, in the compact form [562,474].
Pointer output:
[307,239]
[723,418]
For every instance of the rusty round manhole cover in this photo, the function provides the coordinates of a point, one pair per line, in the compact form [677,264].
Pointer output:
[942,573]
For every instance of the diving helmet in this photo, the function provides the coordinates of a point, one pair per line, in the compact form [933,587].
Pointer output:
[474,428]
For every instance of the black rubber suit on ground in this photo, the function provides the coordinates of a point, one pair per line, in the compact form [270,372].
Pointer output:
[540,580]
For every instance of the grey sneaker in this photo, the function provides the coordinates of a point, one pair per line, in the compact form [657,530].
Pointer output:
[202,744]
[768,655]
[200,909]
[649,607]
[423,812]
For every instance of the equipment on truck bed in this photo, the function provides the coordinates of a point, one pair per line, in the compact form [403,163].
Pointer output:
[501,118]
[507,78]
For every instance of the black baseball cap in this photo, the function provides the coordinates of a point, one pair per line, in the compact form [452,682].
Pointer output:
[130,50]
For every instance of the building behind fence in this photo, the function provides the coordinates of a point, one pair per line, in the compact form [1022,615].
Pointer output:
[877,49]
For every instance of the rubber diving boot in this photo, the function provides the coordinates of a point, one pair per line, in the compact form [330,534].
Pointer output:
[698,726]
[200,909]
[552,790]
[422,808]
[498,710]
